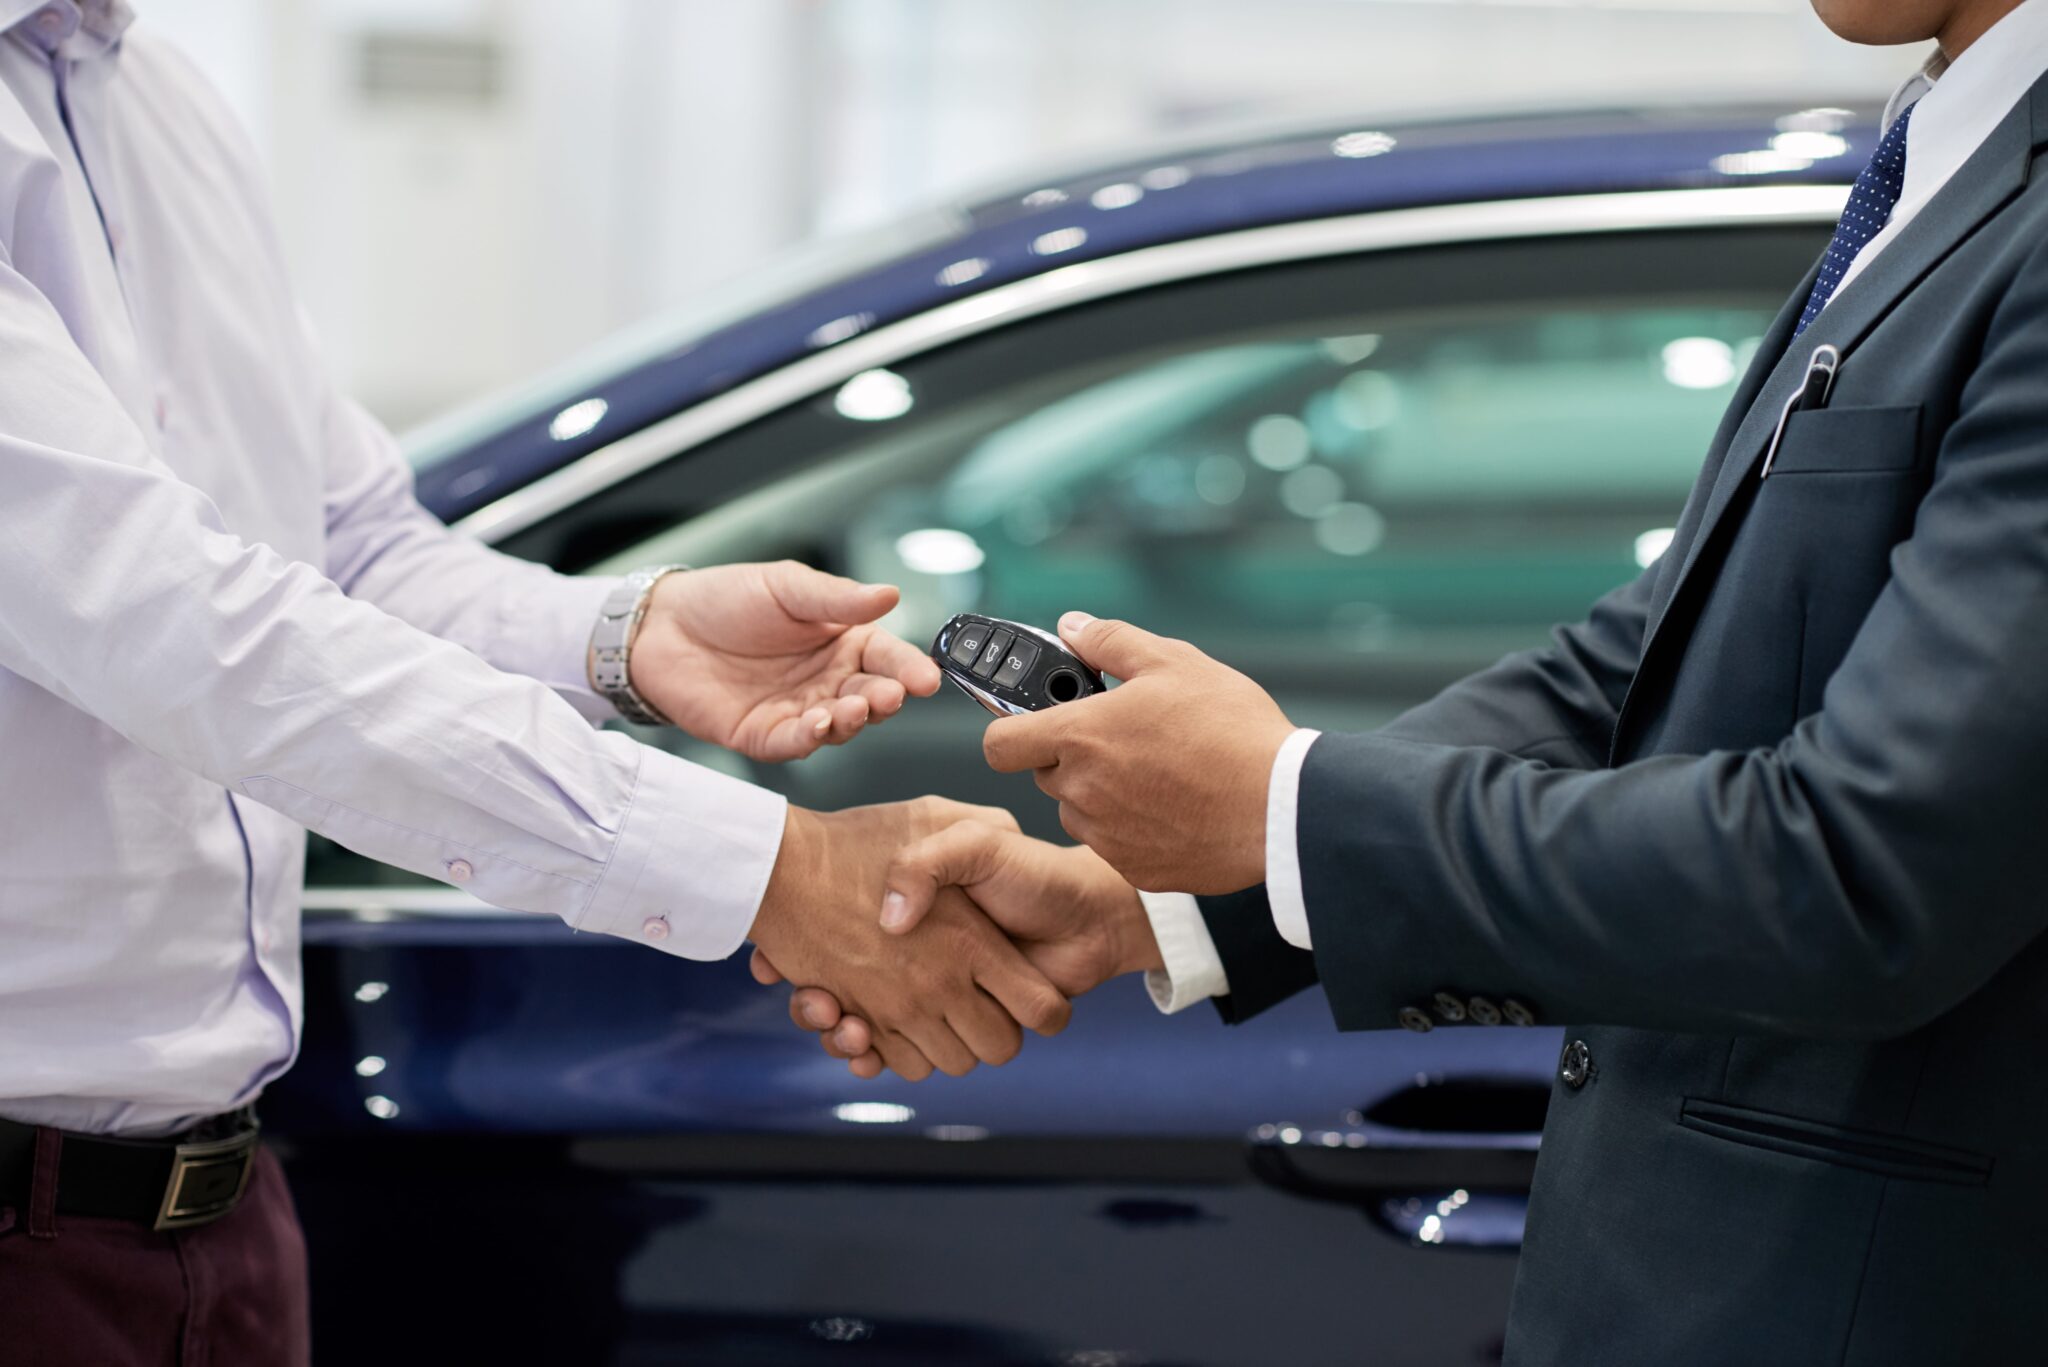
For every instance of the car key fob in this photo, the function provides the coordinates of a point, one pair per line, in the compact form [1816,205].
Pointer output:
[1009,667]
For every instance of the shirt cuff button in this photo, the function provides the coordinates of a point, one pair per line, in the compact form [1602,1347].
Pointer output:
[459,871]
[655,927]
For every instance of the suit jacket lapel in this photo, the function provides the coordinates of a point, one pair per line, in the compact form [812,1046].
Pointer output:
[1983,184]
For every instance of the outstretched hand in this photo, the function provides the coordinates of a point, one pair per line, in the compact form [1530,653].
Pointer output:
[774,660]
[1074,919]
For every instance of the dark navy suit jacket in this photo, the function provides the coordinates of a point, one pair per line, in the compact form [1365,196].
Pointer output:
[1768,832]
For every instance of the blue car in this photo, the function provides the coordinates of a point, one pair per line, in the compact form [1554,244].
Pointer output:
[1358,409]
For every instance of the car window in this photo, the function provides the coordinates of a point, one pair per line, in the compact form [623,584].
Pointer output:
[1356,504]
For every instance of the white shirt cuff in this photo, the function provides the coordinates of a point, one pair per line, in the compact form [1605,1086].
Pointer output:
[1283,859]
[1194,970]
[691,862]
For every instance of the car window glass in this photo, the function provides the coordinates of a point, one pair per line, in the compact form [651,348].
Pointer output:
[1356,508]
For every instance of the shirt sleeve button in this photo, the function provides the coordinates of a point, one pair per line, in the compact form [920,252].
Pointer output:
[655,928]
[459,871]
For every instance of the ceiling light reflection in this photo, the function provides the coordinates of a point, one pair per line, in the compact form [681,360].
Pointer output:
[939,550]
[1828,120]
[371,992]
[965,272]
[1366,143]
[1058,240]
[1699,362]
[873,1113]
[1119,196]
[578,418]
[1652,544]
[839,329]
[874,396]
[1279,441]
[1350,529]
[1814,146]
[1762,163]
[383,1107]
[1164,178]
[369,1066]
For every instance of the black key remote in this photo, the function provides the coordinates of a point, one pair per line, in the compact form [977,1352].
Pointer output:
[1009,667]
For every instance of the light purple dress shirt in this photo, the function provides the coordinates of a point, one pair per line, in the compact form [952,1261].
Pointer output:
[224,619]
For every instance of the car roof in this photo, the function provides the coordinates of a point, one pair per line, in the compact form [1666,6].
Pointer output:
[1196,190]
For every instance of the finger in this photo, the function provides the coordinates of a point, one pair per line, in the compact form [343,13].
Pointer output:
[810,595]
[1115,647]
[794,737]
[962,855]
[867,1067]
[813,1008]
[765,972]
[849,715]
[852,1039]
[1014,744]
[952,809]
[893,658]
[936,1040]
[902,1057]
[885,696]
[986,1028]
[1023,991]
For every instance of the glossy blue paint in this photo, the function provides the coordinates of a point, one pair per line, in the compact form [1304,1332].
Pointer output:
[522,1026]
[1204,191]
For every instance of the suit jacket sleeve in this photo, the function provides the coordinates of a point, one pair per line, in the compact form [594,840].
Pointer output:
[1855,880]
[1558,703]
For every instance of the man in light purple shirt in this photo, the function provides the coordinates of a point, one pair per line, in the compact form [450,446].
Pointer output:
[224,620]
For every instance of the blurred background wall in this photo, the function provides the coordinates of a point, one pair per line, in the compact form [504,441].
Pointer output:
[474,190]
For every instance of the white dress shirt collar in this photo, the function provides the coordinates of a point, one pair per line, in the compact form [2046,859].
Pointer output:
[1956,104]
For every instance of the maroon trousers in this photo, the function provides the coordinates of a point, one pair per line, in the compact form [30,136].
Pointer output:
[80,1291]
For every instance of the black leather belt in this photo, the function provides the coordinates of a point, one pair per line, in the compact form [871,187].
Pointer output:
[176,1182]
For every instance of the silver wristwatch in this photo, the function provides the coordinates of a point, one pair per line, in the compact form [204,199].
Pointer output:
[611,644]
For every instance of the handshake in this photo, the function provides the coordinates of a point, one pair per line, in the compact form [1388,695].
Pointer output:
[931,934]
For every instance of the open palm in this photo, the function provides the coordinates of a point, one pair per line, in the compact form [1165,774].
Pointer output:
[774,660]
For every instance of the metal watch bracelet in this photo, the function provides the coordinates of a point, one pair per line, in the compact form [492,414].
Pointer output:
[611,644]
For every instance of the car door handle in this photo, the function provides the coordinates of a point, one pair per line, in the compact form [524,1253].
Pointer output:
[1443,1162]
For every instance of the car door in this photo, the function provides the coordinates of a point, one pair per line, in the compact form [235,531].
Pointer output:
[1357,477]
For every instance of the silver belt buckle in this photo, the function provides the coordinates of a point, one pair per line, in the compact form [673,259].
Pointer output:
[207,1179]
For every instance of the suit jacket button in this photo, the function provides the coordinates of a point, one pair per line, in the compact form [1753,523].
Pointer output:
[1484,1012]
[1416,1019]
[1516,1013]
[1576,1065]
[1449,1007]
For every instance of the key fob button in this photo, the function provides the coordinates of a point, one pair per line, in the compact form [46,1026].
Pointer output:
[992,656]
[1018,660]
[967,646]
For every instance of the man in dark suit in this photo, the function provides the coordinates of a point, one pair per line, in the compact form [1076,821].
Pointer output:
[1768,831]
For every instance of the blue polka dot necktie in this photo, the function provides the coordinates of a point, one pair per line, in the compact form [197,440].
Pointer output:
[1870,207]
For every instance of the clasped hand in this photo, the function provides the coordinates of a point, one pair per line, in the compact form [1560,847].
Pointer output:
[1163,780]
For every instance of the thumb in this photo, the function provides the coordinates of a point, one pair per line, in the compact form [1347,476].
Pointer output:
[1114,647]
[961,855]
[810,595]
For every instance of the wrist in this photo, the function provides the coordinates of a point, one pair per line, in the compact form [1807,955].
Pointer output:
[796,869]
[1121,912]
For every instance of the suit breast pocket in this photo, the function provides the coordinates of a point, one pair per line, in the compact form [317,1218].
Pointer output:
[1849,441]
